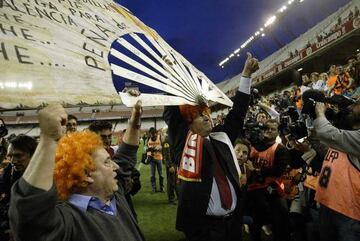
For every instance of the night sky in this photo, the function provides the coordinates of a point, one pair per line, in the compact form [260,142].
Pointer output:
[207,31]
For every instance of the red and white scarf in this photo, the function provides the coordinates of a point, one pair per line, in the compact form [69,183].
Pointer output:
[191,159]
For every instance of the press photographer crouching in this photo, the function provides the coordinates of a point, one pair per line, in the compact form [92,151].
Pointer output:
[338,189]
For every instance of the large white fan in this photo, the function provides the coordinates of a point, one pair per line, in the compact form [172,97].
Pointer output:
[152,62]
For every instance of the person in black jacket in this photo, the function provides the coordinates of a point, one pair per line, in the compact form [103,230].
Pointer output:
[209,204]
[93,206]
[20,150]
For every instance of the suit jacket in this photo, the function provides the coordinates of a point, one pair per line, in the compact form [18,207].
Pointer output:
[194,196]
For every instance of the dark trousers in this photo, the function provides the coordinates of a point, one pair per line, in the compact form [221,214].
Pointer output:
[267,208]
[217,229]
[156,164]
[336,227]
[171,184]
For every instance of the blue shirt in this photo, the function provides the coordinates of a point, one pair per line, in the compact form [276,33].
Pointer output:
[85,203]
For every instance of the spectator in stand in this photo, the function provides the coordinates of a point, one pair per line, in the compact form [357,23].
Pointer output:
[343,82]
[306,83]
[339,21]
[351,15]
[353,70]
[79,171]
[320,84]
[20,151]
[356,11]
[332,77]
[296,97]
[71,125]
[314,77]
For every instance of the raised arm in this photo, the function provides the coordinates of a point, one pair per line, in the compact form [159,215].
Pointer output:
[343,140]
[40,170]
[132,133]
[125,155]
[33,199]
[234,121]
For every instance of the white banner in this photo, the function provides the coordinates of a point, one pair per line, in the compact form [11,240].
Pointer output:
[57,50]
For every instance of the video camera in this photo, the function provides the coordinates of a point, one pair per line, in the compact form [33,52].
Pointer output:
[253,131]
[337,113]
[291,124]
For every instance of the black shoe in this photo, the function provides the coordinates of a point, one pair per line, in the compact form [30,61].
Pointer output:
[172,202]
[162,190]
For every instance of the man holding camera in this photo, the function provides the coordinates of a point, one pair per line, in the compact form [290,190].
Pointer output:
[338,189]
[153,152]
[270,160]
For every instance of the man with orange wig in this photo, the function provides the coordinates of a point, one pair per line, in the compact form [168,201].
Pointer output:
[76,169]
[209,203]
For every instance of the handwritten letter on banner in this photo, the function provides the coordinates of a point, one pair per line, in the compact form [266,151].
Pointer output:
[55,51]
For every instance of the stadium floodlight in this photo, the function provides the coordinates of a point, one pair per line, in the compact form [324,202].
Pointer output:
[282,9]
[270,21]
[301,1]
[231,55]
[263,35]
[257,33]
[261,29]
[224,61]
[290,2]
[237,51]
[238,55]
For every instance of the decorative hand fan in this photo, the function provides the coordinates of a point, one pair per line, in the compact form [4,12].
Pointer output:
[57,52]
[152,62]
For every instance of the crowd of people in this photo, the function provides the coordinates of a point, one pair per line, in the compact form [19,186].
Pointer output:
[339,79]
[336,26]
[266,167]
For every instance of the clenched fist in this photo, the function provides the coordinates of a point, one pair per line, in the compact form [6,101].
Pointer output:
[52,120]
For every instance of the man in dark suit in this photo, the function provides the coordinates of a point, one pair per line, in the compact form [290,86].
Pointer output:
[209,206]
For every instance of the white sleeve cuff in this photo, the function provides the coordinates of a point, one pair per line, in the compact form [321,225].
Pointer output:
[245,84]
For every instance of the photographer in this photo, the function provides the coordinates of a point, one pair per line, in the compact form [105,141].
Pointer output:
[153,152]
[339,183]
[270,160]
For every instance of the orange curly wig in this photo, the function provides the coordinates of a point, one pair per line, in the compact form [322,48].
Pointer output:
[73,161]
[190,112]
